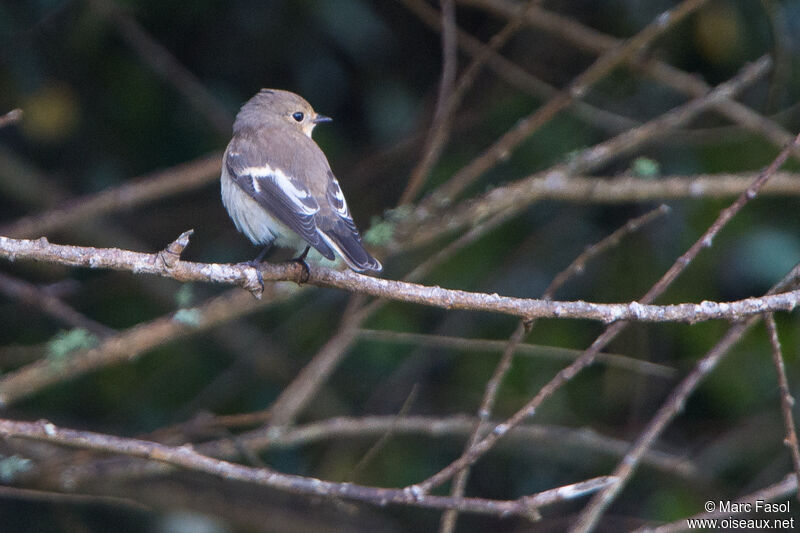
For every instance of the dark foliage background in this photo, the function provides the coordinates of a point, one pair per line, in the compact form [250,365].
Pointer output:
[97,115]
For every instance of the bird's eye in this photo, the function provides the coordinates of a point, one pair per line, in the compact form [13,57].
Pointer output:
[298,116]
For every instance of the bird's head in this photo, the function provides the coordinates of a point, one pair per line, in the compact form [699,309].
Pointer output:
[274,106]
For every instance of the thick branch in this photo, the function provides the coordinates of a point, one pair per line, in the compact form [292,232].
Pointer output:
[245,276]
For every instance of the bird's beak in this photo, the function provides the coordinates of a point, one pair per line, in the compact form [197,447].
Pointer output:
[321,118]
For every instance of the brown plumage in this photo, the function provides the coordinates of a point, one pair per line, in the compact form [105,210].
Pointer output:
[277,184]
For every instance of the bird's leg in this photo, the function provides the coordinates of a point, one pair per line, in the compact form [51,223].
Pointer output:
[302,260]
[257,261]
[260,257]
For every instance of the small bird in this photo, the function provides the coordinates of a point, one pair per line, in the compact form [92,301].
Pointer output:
[278,187]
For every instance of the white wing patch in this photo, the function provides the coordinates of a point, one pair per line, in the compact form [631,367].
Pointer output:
[336,198]
[298,196]
[342,209]
[256,183]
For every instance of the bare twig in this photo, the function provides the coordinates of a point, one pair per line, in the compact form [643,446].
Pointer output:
[516,196]
[518,77]
[166,65]
[554,352]
[622,189]
[449,518]
[129,344]
[25,184]
[782,45]
[787,401]
[439,129]
[609,334]
[596,42]
[300,391]
[19,493]
[282,437]
[527,125]
[31,295]
[134,192]
[186,457]
[384,438]
[448,521]
[579,264]
[589,517]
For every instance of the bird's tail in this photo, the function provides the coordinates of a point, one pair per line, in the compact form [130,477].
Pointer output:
[349,247]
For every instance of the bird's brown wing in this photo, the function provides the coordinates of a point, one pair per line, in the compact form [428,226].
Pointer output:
[287,174]
[269,173]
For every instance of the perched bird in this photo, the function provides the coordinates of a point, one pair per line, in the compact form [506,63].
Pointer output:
[278,187]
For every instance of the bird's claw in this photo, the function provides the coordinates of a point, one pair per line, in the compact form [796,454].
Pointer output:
[255,263]
[301,260]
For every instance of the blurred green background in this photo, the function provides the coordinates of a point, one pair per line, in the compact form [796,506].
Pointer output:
[98,114]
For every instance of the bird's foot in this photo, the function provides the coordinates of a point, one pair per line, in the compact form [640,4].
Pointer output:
[301,260]
[256,262]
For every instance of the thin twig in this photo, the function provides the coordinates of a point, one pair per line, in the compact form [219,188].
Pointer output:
[300,391]
[19,493]
[448,521]
[533,350]
[386,436]
[594,41]
[581,440]
[166,65]
[470,236]
[27,185]
[579,264]
[519,78]
[439,129]
[625,188]
[31,295]
[186,457]
[591,514]
[787,401]
[129,344]
[517,195]
[782,52]
[134,192]
[566,374]
[527,125]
